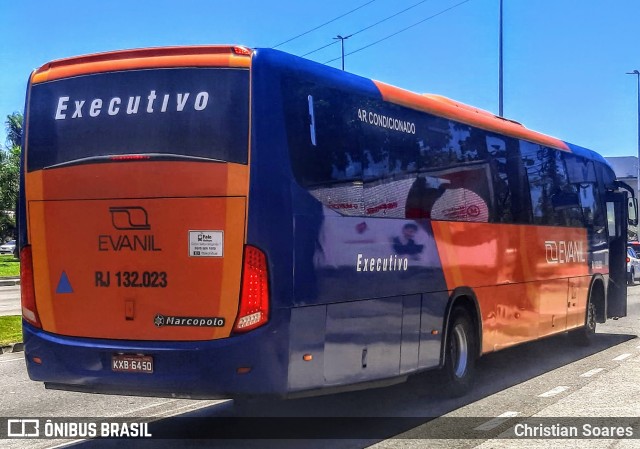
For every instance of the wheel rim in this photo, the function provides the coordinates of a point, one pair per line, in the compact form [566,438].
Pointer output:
[460,351]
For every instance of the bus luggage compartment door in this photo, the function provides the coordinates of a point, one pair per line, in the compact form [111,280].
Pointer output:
[138,269]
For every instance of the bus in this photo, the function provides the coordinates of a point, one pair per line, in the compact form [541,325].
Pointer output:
[219,221]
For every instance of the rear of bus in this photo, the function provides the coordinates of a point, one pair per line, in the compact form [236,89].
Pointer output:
[136,275]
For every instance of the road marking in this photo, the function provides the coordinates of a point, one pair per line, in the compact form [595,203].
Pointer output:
[554,392]
[495,422]
[157,404]
[67,444]
[192,407]
[12,360]
[593,372]
[622,357]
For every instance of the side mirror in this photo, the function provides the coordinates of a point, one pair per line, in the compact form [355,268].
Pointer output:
[632,211]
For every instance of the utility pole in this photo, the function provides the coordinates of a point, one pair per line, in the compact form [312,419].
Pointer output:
[342,39]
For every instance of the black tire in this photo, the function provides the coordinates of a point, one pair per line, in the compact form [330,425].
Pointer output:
[584,335]
[631,277]
[460,354]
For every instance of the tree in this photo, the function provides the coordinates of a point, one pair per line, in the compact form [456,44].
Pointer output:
[10,174]
[14,129]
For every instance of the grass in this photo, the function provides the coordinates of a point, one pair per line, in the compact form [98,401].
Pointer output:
[9,266]
[10,330]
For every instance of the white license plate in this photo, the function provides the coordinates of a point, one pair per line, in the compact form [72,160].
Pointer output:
[132,363]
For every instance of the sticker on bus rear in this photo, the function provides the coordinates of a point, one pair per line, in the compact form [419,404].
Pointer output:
[206,243]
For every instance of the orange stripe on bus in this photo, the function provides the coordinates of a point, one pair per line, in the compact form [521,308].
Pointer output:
[205,56]
[143,179]
[483,254]
[466,114]
[530,281]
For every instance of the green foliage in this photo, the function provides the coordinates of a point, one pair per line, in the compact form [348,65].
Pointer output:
[10,175]
[9,266]
[10,330]
[14,129]
[7,226]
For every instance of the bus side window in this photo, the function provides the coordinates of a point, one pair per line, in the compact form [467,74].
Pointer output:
[510,181]
[582,174]
[548,181]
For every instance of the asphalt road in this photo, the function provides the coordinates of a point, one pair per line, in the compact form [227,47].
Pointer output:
[550,378]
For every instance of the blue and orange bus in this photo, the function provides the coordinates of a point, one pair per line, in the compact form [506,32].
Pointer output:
[220,221]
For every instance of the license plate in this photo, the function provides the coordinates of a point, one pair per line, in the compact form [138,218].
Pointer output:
[132,363]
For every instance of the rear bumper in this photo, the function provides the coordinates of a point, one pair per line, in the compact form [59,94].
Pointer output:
[201,369]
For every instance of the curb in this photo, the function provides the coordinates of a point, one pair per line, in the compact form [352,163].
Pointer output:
[16,347]
[4,282]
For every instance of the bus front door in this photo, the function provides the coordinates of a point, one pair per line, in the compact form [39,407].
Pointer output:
[617,227]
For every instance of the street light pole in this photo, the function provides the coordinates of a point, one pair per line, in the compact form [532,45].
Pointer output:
[637,74]
[342,39]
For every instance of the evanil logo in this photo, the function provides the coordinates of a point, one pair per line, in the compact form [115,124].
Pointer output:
[80,108]
[561,251]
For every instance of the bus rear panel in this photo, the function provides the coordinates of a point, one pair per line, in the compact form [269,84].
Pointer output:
[137,182]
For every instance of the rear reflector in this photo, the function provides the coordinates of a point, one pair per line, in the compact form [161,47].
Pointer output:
[27,290]
[254,296]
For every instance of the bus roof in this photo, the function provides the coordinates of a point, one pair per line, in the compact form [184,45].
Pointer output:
[238,56]
[471,115]
[143,58]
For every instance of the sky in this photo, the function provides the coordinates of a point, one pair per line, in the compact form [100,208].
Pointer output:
[565,61]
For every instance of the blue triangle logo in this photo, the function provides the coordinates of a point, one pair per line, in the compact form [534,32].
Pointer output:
[64,286]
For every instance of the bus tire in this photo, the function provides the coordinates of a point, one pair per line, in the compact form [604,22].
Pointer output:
[459,354]
[584,335]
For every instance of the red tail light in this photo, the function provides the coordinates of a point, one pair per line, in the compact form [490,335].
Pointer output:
[628,260]
[242,51]
[254,296]
[27,290]
[130,157]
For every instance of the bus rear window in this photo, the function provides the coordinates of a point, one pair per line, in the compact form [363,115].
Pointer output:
[196,112]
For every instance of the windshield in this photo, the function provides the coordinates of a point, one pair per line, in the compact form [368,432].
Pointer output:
[192,112]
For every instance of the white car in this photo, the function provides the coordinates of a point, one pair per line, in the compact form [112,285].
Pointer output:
[8,248]
[633,266]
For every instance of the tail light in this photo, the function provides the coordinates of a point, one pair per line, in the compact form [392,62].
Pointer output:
[628,260]
[27,289]
[254,296]
[242,51]
[130,157]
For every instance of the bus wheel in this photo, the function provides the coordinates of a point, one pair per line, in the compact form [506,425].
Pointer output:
[460,354]
[584,335]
